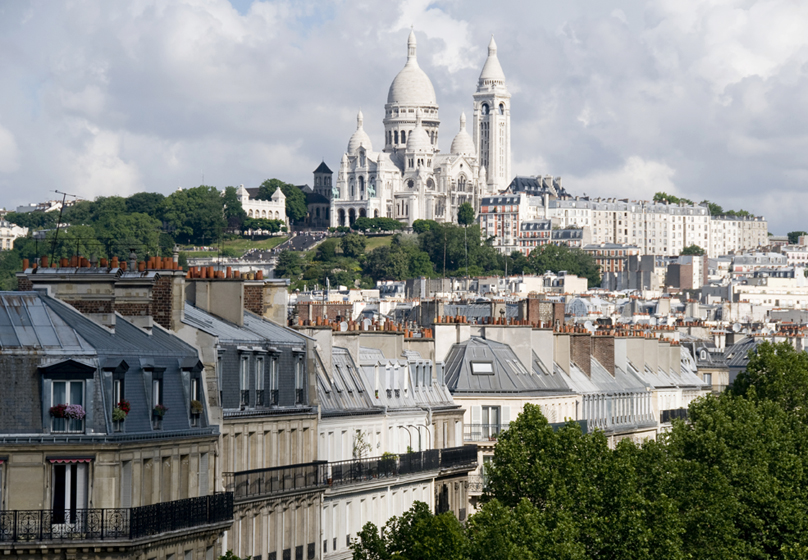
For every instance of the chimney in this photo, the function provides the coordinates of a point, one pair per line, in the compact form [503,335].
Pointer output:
[604,352]
[542,343]
[664,353]
[562,350]
[676,359]
[223,299]
[269,299]
[636,352]
[652,353]
[621,353]
[581,350]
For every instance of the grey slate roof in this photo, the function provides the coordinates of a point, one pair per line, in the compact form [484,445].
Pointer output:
[224,330]
[322,168]
[272,331]
[25,321]
[508,373]
[342,391]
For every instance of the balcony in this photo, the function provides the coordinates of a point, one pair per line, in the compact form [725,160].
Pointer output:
[122,524]
[260,483]
[666,416]
[483,432]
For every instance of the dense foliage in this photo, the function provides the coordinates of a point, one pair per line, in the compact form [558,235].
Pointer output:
[146,223]
[731,482]
[692,250]
[715,209]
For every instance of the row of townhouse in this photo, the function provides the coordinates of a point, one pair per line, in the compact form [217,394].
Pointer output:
[627,384]
[520,222]
[221,446]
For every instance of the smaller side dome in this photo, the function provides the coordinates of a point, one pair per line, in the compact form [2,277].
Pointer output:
[360,138]
[418,140]
[462,143]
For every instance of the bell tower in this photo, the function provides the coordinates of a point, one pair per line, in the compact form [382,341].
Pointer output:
[492,123]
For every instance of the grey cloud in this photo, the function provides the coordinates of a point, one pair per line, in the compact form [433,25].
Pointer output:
[108,98]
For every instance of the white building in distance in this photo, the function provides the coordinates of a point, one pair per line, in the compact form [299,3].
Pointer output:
[409,179]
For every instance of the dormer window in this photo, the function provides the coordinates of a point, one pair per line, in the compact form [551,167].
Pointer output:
[362,158]
[67,407]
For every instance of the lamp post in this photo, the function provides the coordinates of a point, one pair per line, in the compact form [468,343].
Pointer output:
[429,440]
[409,432]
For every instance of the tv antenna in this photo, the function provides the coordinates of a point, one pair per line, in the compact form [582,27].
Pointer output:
[59,223]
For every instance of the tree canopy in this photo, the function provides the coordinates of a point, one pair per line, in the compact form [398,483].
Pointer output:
[692,250]
[794,236]
[296,208]
[730,482]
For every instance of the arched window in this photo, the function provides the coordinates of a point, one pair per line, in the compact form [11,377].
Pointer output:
[361,187]
[501,108]
[410,183]
[353,189]
[461,183]
[403,137]
[395,135]
[362,158]
[430,184]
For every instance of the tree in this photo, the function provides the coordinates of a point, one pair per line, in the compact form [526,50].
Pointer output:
[555,258]
[33,220]
[146,203]
[776,372]
[715,209]
[296,208]
[234,214]
[327,250]
[417,534]
[421,226]
[289,264]
[195,215]
[383,263]
[465,214]
[692,250]
[794,236]
[353,245]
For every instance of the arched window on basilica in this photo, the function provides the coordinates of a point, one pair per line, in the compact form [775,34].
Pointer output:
[403,137]
[361,187]
[353,189]
[430,184]
[461,183]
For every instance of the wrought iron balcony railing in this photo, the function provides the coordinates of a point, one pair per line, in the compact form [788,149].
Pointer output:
[666,416]
[258,483]
[118,524]
[483,432]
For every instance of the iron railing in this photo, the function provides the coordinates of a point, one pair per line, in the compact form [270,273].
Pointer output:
[477,484]
[483,432]
[666,416]
[454,457]
[358,470]
[276,480]
[114,523]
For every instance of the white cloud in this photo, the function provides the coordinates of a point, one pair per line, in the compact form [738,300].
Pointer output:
[112,97]
[9,153]
[635,179]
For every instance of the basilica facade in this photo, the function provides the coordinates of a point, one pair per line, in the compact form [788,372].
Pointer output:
[409,178]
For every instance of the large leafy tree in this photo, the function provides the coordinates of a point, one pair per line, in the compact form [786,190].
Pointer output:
[775,372]
[794,236]
[195,215]
[465,214]
[353,245]
[296,208]
[692,250]
[555,258]
[416,535]
[148,203]
[33,220]
[234,214]
[289,264]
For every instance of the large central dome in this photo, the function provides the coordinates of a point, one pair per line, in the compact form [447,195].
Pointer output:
[411,86]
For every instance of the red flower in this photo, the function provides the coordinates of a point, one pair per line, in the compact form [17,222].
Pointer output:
[58,411]
[124,405]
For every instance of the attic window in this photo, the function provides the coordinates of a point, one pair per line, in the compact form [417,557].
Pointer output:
[482,368]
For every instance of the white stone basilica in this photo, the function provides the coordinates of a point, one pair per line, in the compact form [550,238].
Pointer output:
[410,179]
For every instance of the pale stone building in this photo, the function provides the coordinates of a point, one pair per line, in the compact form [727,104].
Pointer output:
[410,179]
[273,209]
[8,233]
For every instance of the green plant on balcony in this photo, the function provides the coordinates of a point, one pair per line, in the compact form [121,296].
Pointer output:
[160,411]
[196,407]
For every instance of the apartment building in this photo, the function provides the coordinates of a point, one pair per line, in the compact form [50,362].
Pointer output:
[8,233]
[655,228]
[108,450]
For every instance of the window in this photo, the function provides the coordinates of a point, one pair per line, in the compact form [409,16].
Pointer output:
[70,394]
[259,381]
[69,493]
[244,382]
[117,397]
[490,421]
[273,381]
[196,395]
[482,368]
[299,380]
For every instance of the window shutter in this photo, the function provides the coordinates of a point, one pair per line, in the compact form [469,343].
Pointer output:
[476,414]
[126,485]
[505,415]
[203,475]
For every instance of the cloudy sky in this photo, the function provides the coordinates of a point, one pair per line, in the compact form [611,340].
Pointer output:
[704,99]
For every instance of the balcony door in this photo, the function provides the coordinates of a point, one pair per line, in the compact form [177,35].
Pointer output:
[69,494]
